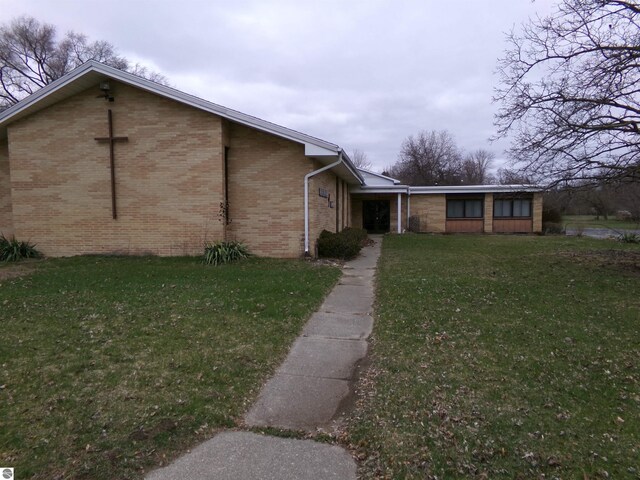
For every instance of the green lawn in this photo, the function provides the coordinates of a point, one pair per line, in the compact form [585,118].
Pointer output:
[590,221]
[502,357]
[109,366]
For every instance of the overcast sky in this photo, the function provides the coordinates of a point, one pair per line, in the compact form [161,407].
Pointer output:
[362,74]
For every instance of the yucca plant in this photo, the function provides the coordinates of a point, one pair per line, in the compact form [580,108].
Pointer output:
[12,250]
[219,253]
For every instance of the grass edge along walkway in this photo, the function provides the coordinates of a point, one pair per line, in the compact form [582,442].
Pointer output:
[111,366]
[502,357]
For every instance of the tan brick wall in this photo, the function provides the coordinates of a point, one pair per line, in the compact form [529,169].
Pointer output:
[537,212]
[169,176]
[266,197]
[432,212]
[6,216]
[170,181]
[356,211]
[345,205]
[488,212]
[322,217]
[349,207]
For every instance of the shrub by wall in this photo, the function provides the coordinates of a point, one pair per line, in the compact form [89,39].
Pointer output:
[12,250]
[552,221]
[344,245]
[220,253]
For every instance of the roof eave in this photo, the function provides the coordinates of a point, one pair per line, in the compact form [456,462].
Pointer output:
[168,92]
[475,189]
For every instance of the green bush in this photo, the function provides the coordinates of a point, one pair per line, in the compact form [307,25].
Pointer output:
[551,215]
[356,234]
[12,250]
[219,253]
[345,244]
[551,228]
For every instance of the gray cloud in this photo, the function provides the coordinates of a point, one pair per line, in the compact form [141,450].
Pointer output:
[363,74]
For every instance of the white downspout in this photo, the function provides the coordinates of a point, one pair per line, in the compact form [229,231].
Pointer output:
[306,199]
[399,213]
[408,207]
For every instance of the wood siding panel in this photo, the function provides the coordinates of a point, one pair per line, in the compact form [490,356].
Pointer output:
[512,225]
[465,225]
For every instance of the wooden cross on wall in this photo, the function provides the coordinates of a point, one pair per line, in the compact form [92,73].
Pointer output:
[112,141]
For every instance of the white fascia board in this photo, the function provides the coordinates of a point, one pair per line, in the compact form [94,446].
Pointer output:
[346,160]
[447,189]
[167,92]
[474,189]
[311,150]
[385,177]
[314,147]
[366,190]
[44,91]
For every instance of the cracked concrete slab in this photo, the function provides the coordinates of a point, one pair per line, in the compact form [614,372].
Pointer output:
[324,357]
[297,402]
[356,280]
[249,456]
[338,325]
[349,299]
[368,259]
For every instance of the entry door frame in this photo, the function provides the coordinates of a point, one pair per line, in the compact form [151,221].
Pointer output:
[376,216]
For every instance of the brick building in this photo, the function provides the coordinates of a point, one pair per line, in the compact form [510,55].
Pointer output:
[102,161]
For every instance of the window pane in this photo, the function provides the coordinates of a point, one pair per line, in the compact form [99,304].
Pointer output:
[522,208]
[455,208]
[502,208]
[473,208]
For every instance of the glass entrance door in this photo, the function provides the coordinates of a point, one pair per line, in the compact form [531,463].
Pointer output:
[376,216]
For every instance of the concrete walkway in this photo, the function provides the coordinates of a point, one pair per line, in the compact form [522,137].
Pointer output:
[306,393]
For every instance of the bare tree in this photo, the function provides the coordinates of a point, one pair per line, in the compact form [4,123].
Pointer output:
[430,158]
[475,167]
[570,93]
[508,176]
[360,160]
[628,196]
[31,57]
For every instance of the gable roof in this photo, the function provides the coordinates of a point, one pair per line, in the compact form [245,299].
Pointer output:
[377,179]
[91,73]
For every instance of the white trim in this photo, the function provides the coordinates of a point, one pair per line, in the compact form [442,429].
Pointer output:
[474,189]
[306,199]
[394,180]
[399,222]
[172,93]
[314,146]
[391,189]
[363,190]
